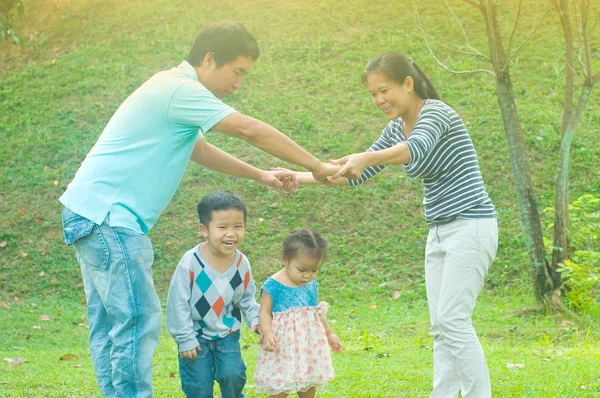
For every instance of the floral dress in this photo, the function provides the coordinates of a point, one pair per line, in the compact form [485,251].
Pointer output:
[303,359]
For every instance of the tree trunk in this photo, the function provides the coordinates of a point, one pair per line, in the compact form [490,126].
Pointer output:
[563,13]
[530,219]
[560,250]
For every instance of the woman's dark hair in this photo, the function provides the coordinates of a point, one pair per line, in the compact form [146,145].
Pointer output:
[397,67]
[219,200]
[227,40]
[305,240]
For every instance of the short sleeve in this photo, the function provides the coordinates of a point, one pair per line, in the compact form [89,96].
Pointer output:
[270,287]
[194,105]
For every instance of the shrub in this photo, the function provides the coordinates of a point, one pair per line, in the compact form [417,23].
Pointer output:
[7,13]
[581,273]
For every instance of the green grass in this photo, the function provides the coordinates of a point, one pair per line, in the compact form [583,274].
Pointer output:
[387,351]
[85,57]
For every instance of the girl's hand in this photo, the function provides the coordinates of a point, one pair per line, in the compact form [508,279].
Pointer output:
[290,178]
[280,179]
[270,342]
[189,354]
[325,170]
[352,166]
[334,343]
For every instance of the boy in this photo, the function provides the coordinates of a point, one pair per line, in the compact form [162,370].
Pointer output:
[210,290]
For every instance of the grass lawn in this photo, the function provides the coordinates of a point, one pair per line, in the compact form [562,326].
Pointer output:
[84,57]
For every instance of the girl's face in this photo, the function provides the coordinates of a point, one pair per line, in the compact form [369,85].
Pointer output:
[302,268]
[392,98]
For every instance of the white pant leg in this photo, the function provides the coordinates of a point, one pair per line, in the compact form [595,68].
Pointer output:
[465,248]
[446,380]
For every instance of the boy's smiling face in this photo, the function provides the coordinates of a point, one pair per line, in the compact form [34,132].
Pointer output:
[225,232]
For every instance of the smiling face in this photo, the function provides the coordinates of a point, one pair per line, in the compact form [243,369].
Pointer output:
[302,268]
[392,98]
[225,232]
[223,81]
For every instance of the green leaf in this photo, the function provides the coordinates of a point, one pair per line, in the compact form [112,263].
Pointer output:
[20,8]
[3,21]
[16,39]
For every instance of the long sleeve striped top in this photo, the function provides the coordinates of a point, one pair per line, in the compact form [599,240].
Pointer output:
[443,157]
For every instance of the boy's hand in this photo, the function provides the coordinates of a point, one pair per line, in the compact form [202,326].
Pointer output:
[190,354]
[334,343]
[270,342]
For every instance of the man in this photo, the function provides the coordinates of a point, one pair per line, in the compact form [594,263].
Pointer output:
[130,176]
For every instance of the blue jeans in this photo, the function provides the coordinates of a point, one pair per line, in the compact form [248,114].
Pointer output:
[124,313]
[219,360]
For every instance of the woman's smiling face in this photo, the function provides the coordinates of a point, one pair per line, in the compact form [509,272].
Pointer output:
[391,97]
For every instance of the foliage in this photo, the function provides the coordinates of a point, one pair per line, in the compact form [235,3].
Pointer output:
[581,273]
[7,11]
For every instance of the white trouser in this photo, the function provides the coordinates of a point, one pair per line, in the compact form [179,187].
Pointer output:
[457,259]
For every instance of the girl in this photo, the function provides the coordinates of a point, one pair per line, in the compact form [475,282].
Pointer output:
[294,356]
[429,139]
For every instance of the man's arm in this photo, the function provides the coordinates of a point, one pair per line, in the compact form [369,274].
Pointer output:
[272,141]
[215,159]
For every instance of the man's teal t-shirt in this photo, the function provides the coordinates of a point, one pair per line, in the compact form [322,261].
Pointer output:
[136,165]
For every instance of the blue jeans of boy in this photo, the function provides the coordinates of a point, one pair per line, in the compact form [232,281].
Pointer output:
[219,360]
[124,313]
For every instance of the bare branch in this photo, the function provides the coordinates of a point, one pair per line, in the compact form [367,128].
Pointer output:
[499,61]
[420,27]
[580,59]
[514,27]
[473,3]
[577,23]
[458,22]
[562,8]
[585,9]
[530,35]
[473,51]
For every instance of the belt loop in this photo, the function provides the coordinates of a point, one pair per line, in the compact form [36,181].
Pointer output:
[436,233]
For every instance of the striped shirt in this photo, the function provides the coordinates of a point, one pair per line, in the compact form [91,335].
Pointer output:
[443,157]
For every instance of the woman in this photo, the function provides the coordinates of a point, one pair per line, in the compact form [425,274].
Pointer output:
[430,140]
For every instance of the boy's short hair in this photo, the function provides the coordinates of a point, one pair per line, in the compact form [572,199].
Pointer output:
[219,200]
[227,40]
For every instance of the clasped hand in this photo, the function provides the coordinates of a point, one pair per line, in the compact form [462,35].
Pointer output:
[352,166]
[281,179]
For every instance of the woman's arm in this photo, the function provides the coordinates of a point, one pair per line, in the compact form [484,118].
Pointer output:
[354,165]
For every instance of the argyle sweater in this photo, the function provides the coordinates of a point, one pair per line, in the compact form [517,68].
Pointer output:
[205,303]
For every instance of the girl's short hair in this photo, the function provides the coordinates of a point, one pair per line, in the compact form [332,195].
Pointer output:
[305,240]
